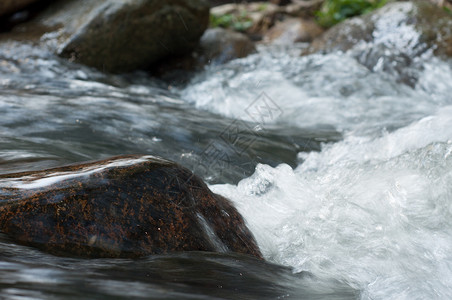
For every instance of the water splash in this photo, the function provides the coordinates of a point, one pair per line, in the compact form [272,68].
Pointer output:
[318,91]
[374,213]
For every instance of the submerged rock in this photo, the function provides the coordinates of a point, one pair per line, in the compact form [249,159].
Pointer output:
[128,206]
[393,37]
[119,36]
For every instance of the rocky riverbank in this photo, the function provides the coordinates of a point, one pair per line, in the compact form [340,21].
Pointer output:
[117,37]
[175,35]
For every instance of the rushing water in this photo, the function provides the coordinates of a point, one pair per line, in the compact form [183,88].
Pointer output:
[372,210]
[342,172]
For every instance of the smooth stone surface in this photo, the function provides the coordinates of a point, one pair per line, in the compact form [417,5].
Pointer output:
[121,36]
[129,206]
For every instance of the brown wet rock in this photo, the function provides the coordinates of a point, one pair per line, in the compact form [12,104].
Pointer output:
[127,206]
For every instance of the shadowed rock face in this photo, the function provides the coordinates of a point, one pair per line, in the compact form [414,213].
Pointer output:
[128,206]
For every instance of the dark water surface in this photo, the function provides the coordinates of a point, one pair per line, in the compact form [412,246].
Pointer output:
[54,113]
[28,274]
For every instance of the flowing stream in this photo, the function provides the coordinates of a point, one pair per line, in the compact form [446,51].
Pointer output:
[342,172]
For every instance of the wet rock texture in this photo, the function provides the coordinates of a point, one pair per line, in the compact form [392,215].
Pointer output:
[120,36]
[121,207]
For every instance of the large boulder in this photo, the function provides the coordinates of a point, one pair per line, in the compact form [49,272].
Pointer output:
[119,36]
[128,206]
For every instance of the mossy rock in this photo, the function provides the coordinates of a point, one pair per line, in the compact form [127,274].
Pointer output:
[395,39]
[429,28]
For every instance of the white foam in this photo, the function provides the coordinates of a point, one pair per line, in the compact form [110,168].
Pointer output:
[318,90]
[374,213]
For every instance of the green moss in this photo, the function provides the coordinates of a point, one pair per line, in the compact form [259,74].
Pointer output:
[262,7]
[447,9]
[240,22]
[335,11]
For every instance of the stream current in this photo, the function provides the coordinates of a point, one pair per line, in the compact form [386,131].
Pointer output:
[342,172]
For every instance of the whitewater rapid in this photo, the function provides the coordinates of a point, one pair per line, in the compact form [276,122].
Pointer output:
[373,210]
[374,213]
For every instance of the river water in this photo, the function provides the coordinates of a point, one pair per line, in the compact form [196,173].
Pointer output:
[342,171]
